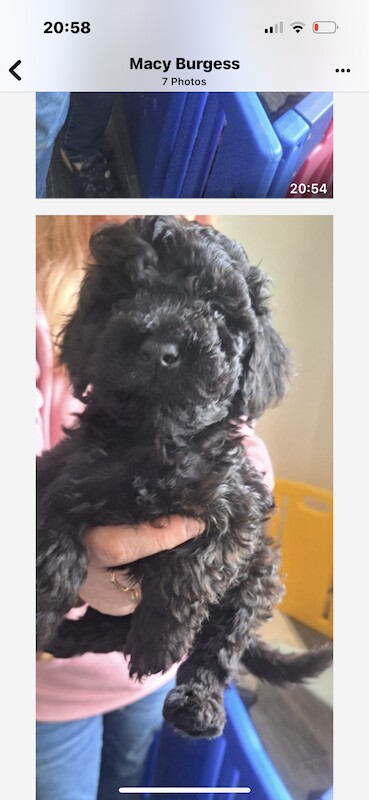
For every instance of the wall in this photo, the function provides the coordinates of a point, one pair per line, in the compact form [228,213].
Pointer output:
[296,251]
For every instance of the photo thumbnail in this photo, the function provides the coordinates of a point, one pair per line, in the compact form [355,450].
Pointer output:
[185,379]
[184,144]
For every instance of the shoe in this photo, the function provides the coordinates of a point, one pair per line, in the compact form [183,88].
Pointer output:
[95,176]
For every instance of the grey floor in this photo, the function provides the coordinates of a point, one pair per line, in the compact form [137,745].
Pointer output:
[296,729]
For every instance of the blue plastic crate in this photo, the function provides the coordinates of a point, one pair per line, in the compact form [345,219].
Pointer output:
[153,121]
[248,151]
[299,130]
[221,144]
[236,759]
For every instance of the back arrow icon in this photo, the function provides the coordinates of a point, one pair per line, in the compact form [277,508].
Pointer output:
[13,72]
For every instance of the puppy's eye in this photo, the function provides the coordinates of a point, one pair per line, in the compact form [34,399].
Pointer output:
[217,310]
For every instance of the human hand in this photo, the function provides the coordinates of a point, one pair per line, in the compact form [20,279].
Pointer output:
[114,545]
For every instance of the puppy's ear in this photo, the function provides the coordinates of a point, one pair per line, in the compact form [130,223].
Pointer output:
[117,253]
[267,364]
[77,338]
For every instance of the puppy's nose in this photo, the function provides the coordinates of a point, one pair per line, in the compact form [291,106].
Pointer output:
[164,354]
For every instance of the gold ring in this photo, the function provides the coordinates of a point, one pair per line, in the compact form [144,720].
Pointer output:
[135,593]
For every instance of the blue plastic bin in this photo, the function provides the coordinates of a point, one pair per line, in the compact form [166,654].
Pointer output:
[153,121]
[248,152]
[235,759]
[299,130]
[221,144]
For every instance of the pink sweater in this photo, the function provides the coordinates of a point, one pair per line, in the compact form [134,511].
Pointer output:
[91,684]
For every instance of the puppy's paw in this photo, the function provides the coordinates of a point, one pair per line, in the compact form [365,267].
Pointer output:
[191,711]
[142,663]
[152,651]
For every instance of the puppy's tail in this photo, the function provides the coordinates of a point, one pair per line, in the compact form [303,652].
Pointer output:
[279,668]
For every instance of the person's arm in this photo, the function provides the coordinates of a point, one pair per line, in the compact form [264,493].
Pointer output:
[257,453]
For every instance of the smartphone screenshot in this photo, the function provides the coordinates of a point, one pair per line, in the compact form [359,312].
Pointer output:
[184,228]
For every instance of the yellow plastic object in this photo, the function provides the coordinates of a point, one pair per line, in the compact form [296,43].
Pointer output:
[303,526]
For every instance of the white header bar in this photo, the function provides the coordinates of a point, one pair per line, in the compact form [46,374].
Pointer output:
[196,45]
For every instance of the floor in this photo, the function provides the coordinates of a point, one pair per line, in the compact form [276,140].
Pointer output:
[295,725]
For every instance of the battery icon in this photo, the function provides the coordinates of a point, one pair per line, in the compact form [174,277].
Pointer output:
[324,27]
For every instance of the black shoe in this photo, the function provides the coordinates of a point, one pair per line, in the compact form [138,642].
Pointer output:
[95,178]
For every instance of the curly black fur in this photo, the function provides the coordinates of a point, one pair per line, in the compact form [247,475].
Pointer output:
[170,343]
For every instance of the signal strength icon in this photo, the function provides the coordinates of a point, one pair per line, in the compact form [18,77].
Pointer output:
[297,26]
[277,28]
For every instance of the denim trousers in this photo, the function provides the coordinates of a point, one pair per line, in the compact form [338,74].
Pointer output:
[89,759]
[51,112]
[88,118]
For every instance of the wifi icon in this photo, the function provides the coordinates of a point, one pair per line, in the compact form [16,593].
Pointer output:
[297,26]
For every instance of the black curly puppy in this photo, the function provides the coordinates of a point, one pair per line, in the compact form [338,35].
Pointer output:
[171,343]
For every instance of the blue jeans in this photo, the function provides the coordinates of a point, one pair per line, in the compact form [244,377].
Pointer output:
[87,121]
[51,113]
[89,759]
